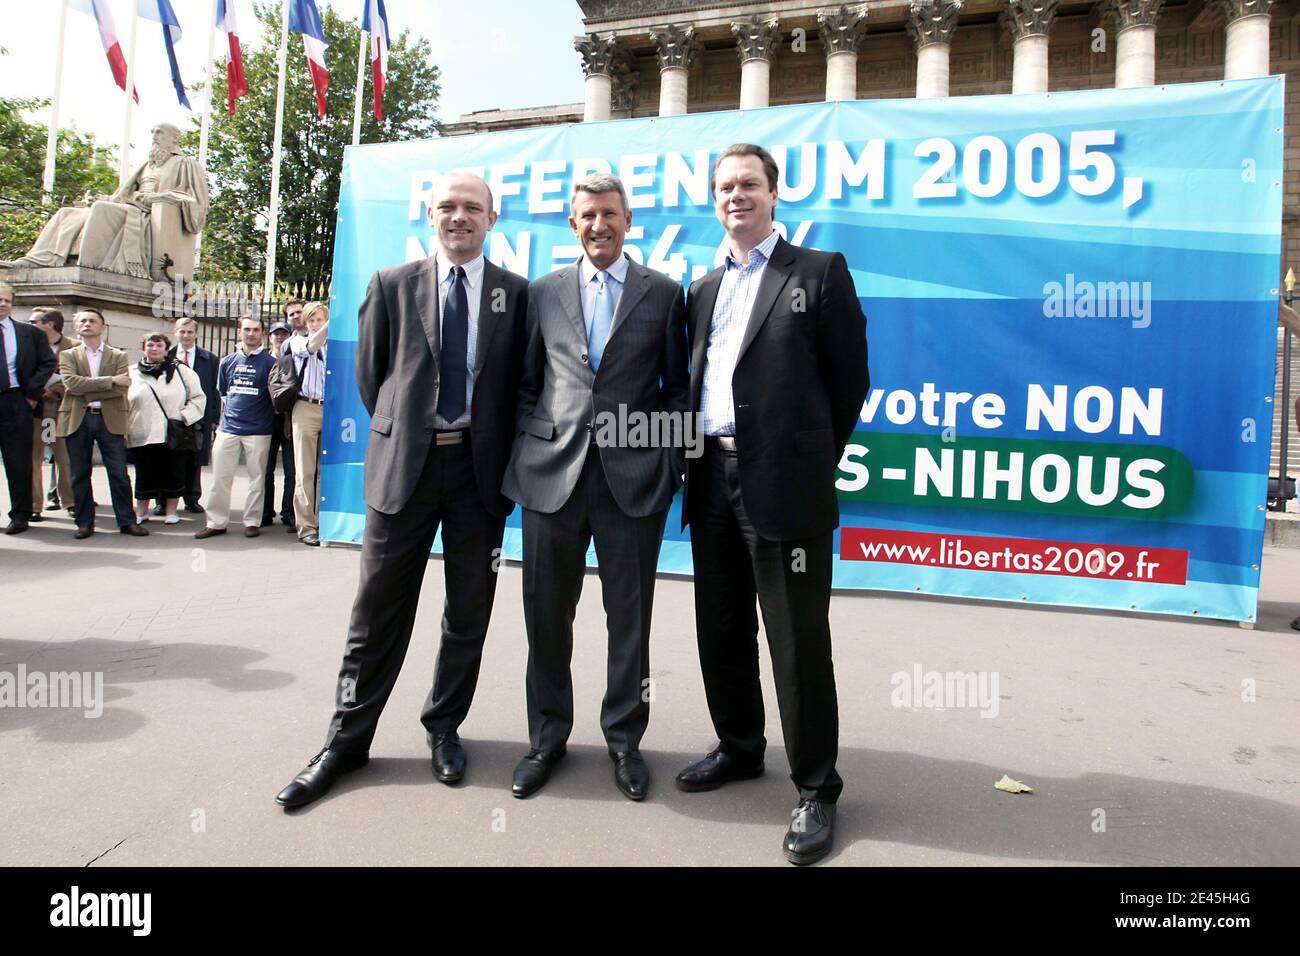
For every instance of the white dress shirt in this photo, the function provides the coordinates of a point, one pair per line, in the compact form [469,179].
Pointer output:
[313,374]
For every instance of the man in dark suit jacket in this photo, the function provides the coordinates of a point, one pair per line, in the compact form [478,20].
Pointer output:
[189,352]
[778,375]
[606,348]
[26,364]
[439,356]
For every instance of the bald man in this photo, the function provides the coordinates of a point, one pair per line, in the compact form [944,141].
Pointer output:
[439,359]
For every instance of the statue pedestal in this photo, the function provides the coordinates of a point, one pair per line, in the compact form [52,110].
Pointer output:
[132,306]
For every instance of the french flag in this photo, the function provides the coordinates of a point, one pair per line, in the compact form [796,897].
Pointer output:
[108,35]
[161,11]
[236,83]
[304,18]
[375,22]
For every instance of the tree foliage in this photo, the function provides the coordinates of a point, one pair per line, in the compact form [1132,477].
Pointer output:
[239,149]
[80,167]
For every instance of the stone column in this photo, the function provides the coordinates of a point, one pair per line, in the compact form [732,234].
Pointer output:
[1030,22]
[676,49]
[1135,41]
[931,24]
[756,39]
[598,53]
[841,31]
[1246,52]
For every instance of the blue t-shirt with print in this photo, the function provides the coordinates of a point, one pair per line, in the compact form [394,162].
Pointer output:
[242,382]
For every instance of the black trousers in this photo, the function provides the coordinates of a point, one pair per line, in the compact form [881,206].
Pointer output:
[283,447]
[112,451]
[555,551]
[791,581]
[394,553]
[16,450]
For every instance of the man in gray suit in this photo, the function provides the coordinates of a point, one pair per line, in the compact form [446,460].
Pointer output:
[606,353]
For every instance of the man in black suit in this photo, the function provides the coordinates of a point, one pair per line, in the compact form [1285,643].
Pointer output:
[606,348]
[187,351]
[26,364]
[439,357]
[778,374]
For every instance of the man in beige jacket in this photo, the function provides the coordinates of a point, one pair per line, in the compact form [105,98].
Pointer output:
[93,412]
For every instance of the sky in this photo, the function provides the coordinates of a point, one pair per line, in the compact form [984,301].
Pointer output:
[492,54]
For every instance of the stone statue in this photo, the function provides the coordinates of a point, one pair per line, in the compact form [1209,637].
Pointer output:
[150,224]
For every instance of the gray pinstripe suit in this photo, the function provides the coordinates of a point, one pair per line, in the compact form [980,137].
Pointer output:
[574,490]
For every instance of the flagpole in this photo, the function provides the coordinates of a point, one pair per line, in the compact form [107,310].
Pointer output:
[125,169]
[52,139]
[274,213]
[361,80]
[207,114]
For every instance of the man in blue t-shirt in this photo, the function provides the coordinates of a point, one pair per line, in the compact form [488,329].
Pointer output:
[246,422]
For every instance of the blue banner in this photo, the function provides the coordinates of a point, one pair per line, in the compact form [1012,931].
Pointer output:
[1071,305]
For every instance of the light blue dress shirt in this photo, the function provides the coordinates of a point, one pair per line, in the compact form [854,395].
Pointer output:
[731,316]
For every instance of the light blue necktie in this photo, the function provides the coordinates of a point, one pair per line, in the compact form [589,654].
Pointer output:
[602,317]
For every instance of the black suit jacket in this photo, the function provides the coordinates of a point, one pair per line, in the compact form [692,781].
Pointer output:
[35,362]
[798,387]
[205,367]
[398,345]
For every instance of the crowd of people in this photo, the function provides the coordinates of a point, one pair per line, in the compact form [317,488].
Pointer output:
[175,410]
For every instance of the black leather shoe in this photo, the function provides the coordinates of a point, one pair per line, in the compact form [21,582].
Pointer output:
[715,770]
[631,775]
[36,517]
[310,539]
[534,770]
[809,836]
[160,509]
[16,527]
[134,530]
[448,757]
[318,776]
[84,531]
[193,507]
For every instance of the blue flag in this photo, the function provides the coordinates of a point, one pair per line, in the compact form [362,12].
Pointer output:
[161,11]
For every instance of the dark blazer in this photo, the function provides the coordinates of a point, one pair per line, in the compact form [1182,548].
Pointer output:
[800,380]
[205,367]
[35,361]
[561,400]
[398,344]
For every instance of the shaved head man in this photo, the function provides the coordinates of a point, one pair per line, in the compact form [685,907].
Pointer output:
[442,419]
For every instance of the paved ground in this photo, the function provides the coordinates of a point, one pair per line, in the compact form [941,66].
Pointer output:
[219,664]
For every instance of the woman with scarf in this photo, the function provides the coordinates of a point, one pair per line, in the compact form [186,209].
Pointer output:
[161,390]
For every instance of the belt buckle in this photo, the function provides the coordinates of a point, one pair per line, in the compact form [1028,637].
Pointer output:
[727,442]
[448,438]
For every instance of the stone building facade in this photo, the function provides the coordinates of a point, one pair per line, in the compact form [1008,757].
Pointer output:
[663,57]
[656,57]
